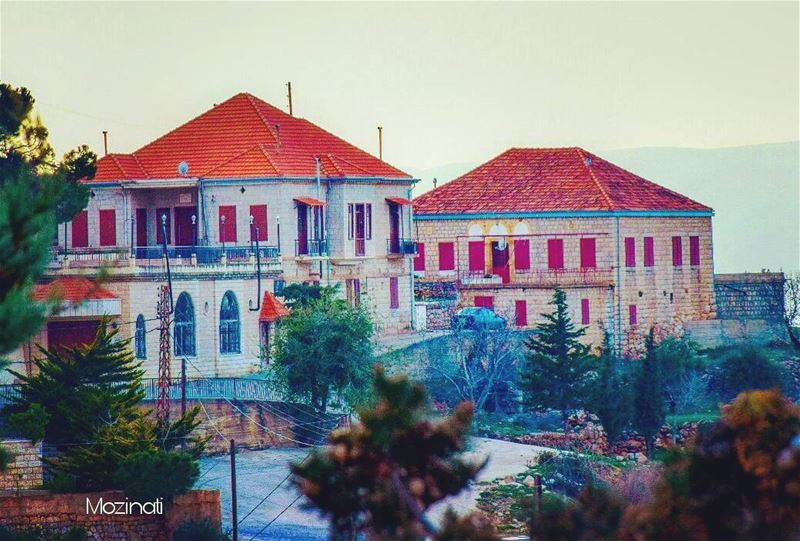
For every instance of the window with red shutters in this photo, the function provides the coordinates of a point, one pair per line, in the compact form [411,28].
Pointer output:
[585,314]
[588,254]
[522,254]
[677,251]
[633,318]
[160,215]
[419,259]
[447,256]
[649,252]
[694,251]
[555,253]
[394,294]
[141,227]
[80,230]
[227,223]
[521,313]
[259,214]
[108,227]
[630,252]
[484,301]
[477,256]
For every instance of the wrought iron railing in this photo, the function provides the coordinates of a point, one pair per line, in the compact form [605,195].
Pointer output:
[399,246]
[313,248]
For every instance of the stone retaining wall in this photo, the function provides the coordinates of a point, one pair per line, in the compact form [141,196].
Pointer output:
[25,470]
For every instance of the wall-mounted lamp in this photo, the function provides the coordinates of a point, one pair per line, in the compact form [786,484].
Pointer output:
[92,194]
[242,190]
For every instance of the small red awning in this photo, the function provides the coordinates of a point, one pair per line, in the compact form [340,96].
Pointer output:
[271,308]
[399,201]
[310,201]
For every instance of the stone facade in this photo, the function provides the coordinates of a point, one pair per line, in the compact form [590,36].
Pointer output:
[746,296]
[25,470]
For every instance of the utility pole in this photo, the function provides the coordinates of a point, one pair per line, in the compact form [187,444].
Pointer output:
[105,142]
[234,513]
[164,358]
[289,95]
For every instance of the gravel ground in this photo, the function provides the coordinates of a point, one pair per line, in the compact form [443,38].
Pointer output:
[258,472]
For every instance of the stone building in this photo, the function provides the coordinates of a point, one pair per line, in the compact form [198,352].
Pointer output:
[629,253]
[243,186]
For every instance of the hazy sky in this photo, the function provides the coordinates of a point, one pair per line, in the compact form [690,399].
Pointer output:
[450,82]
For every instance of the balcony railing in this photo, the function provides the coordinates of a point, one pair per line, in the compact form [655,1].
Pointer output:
[539,277]
[207,255]
[311,248]
[401,247]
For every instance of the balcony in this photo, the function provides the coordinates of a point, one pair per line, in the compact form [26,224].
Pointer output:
[548,278]
[310,248]
[401,247]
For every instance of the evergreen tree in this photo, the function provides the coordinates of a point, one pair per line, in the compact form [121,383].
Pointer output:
[611,400]
[648,400]
[381,475]
[559,371]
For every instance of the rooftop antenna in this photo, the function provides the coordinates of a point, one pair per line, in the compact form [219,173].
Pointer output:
[105,142]
[380,142]
[289,95]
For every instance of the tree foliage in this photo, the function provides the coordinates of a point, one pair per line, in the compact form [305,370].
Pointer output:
[611,396]
[559,371]
[746,368]
[147,475]
[324,348]
[648,399]
[381,475]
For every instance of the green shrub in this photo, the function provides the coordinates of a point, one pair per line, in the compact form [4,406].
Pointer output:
[199,531]
[744,369]
[147,475]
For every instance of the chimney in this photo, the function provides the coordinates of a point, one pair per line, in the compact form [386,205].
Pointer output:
[435,182]
[380,142]
[105,142]
[289,95]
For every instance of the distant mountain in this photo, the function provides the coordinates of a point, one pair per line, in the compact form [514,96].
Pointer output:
[754,191]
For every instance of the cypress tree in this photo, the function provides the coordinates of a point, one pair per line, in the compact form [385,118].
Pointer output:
[648,401]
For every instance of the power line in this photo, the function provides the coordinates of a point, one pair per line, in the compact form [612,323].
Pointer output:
[276,517]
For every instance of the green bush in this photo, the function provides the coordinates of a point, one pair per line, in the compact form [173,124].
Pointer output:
[147,475]
[40,534]
[744,369]
[199,531]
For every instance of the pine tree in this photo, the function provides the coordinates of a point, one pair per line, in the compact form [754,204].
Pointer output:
[559,374]
[648,400]
[611,400]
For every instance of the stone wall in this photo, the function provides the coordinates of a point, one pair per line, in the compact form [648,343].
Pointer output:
[25,470]
[749,296]
[61,512]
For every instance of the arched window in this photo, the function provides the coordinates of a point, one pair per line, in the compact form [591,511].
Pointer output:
[184,326]
[140,345]
[229,324]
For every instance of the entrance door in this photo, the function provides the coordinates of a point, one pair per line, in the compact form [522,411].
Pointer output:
[500,261]
[302,229]
[184,229]
[394,228]
[71,333]
[141,227]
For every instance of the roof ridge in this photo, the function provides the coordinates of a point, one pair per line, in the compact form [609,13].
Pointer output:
[583,154]
[272,163]
[269,126]
[348,162]
[229,160]
[145,172]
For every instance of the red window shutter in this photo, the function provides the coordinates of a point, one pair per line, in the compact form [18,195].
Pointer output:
[586,317]
[419,259]
[477,256]
[630,252]
[694,251]
[632,315]
[394,294]
[677,252]
[159,214]
[521,313]
[259,214]
[141,227]
[522,254]
[447,258]
[649,252]
[227,230]
[108,227]
[484,301]
[80,230]
[588,254]
[555,253]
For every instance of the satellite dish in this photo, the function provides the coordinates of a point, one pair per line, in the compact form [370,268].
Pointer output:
[183,169]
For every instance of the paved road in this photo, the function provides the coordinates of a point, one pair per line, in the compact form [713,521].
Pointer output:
[258,472]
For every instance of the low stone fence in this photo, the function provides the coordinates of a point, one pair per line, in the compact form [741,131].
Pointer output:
[25,470]
[62,512]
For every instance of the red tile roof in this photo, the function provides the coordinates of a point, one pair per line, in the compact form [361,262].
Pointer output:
[272,308]
[71,289]
[240,138]
[550,179]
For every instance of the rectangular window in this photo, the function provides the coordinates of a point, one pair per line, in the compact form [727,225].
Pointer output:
[630,252]
[694,251]
[419,259]
[161,215]
[359,225]
[555,253]
[447,257]
[141,227]
[227,223]
[588,254]
[477,256]
[353,287]
[633,318]
[108,227]
[484,301]
[586,317]
[394,294]
[649,252]
[259,214]
[522,254]
[80,230]
[677,251]
[521,313]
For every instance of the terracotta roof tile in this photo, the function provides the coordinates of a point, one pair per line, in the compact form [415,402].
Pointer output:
[549,179]
[71,289]
[271,308]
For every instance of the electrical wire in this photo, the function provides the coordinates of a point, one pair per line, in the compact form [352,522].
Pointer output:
[276,517]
